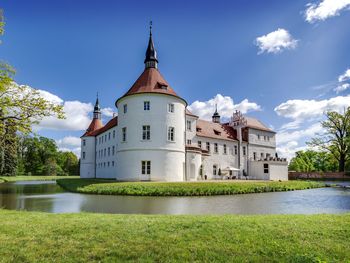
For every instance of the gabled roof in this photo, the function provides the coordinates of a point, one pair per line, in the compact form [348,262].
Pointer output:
[150,81]
[215,130]
[256,124]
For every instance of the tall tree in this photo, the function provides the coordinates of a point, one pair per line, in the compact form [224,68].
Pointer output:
[336,139]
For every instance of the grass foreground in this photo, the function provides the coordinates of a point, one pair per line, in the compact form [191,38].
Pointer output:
[85,237]
[106,187]
[4,179]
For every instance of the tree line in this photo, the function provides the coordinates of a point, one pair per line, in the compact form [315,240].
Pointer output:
[332,147]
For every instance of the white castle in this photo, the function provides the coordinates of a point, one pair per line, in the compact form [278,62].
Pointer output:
[156,138]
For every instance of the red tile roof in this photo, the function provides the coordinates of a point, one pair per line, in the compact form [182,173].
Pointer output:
[256,124]
[113,122]
[151,81]
[215,130]
[94,125]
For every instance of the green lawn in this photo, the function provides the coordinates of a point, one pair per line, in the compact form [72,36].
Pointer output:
[41,237]
[32,178]
[107,187]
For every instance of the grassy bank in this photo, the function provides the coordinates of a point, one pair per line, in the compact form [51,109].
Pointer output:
[180,189]
[32,178]
[40,237]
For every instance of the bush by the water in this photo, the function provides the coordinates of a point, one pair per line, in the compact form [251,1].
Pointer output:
[107,187]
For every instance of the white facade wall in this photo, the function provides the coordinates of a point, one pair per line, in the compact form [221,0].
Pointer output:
[263,143]
[167,157]
[193,164]
[276,170]
[106,159]
[220,159]
[87,160]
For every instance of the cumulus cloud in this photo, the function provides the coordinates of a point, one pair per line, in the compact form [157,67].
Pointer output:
[69,144]
[276,42]
[301,110]
[345,76]
[341,87]
[225,104]
[78,114]
[325,9]
[289,149]
[108,112]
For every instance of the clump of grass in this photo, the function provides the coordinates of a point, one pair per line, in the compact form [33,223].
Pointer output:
[4,179]
[105,187]
[85,237]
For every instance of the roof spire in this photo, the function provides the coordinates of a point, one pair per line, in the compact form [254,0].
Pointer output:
[97,109]
[151,60]
[216,115]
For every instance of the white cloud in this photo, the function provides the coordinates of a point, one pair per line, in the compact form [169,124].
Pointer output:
[68,141]
[108,112]
[276,41]
[345,76]
[289,149]
[341,87]
[325,9]
[69,144]
[306,110]
[284,137]
[77,113]
[225,104]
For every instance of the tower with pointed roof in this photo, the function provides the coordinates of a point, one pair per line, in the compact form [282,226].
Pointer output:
[216,116]
[151,127]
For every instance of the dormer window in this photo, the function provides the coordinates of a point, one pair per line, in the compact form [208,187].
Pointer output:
[198,129]
[161,85]
[217,132]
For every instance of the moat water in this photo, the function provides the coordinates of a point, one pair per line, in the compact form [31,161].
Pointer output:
[47,196]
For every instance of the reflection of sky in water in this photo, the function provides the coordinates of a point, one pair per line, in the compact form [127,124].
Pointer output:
[48,197]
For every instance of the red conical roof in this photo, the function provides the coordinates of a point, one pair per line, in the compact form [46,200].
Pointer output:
[94,125]
[150,81]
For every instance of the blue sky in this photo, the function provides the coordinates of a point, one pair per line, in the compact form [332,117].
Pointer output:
[73,49]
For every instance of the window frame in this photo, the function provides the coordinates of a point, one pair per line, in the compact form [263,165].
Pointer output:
[146,132]
[146,167]
[124,137]
[146,105]
[171,134]
[171,107]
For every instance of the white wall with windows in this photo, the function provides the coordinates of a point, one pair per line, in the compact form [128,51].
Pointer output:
[87,160]
[268,170]
[152,129]
[106,154]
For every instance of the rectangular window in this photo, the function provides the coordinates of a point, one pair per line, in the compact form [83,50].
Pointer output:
[258,136]
[105,152]
[108,164]
[225,149]
[146,132]
[112,163]
[170,107]
[83,155]
[113,150]
[215,169]
[266,168]
[244,150]
[146,167]
[208,146]
[171,134]
[254,155]
[113,134]
[105,137]
[124,134]
[109,136]
[84,142]
[109,151]
[262,155]
[200,144]
[189,142]
[188,125]
[236,150]
[146,105]
[125,108]
[216,148]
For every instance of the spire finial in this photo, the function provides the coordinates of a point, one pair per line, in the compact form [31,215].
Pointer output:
[150,28]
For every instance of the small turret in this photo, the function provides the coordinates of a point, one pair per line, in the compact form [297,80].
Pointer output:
[97,110]
[216,115]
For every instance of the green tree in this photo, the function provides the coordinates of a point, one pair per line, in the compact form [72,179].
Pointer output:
[336,139]
[311,161]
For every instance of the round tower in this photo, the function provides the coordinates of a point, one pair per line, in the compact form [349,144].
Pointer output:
[151,127]
[88,145]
